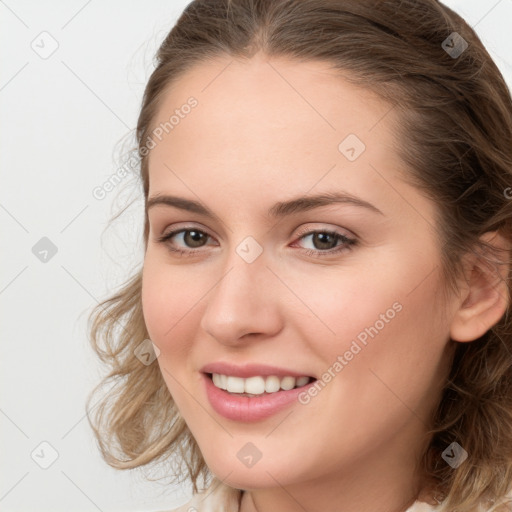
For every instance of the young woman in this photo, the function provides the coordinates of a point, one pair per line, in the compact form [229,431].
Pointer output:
[322,318]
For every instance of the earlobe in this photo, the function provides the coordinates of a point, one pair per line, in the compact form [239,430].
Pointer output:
[486,297]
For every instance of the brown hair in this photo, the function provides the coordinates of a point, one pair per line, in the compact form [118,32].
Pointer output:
[455,135]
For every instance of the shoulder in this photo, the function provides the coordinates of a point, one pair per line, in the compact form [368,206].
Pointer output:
[218,497]
[421,506]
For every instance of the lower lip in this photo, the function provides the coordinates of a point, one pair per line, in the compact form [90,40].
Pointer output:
[247,409]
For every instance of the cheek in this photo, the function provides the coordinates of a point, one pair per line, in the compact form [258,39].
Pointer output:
[379,375]
[394,356]
[411,358]
[167,313]
[170,295]
[388,329]
[339,306]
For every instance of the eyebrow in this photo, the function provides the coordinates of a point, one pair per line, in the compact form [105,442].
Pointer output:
[278,210]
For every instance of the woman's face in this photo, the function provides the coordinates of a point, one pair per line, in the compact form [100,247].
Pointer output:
[258,286]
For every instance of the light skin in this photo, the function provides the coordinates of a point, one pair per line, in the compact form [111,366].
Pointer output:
[266,131]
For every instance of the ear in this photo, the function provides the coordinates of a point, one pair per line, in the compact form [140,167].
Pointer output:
[485,297]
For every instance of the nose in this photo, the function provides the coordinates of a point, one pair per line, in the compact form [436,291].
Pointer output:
[244,302]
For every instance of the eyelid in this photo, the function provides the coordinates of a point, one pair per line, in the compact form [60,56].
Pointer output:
[179,227]
[347,241]
[325,227]
[305,230]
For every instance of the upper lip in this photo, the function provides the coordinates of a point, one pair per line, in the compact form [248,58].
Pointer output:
[250,370]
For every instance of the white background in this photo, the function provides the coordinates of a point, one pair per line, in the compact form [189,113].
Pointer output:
[63,121]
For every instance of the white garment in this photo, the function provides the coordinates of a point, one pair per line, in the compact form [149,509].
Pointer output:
[221,498]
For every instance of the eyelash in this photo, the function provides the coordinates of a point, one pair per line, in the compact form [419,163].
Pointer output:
[346,244]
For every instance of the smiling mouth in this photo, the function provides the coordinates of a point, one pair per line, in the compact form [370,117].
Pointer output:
[257,385]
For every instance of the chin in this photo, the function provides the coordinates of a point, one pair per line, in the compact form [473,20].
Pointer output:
[260,476]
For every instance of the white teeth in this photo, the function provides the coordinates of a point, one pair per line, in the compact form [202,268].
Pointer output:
[235,385]
[216,379]
[257,385]
[301,381]
[272,384]
[287,383]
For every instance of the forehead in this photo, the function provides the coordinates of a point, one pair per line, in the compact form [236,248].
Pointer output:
[270,121]
[262,96]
